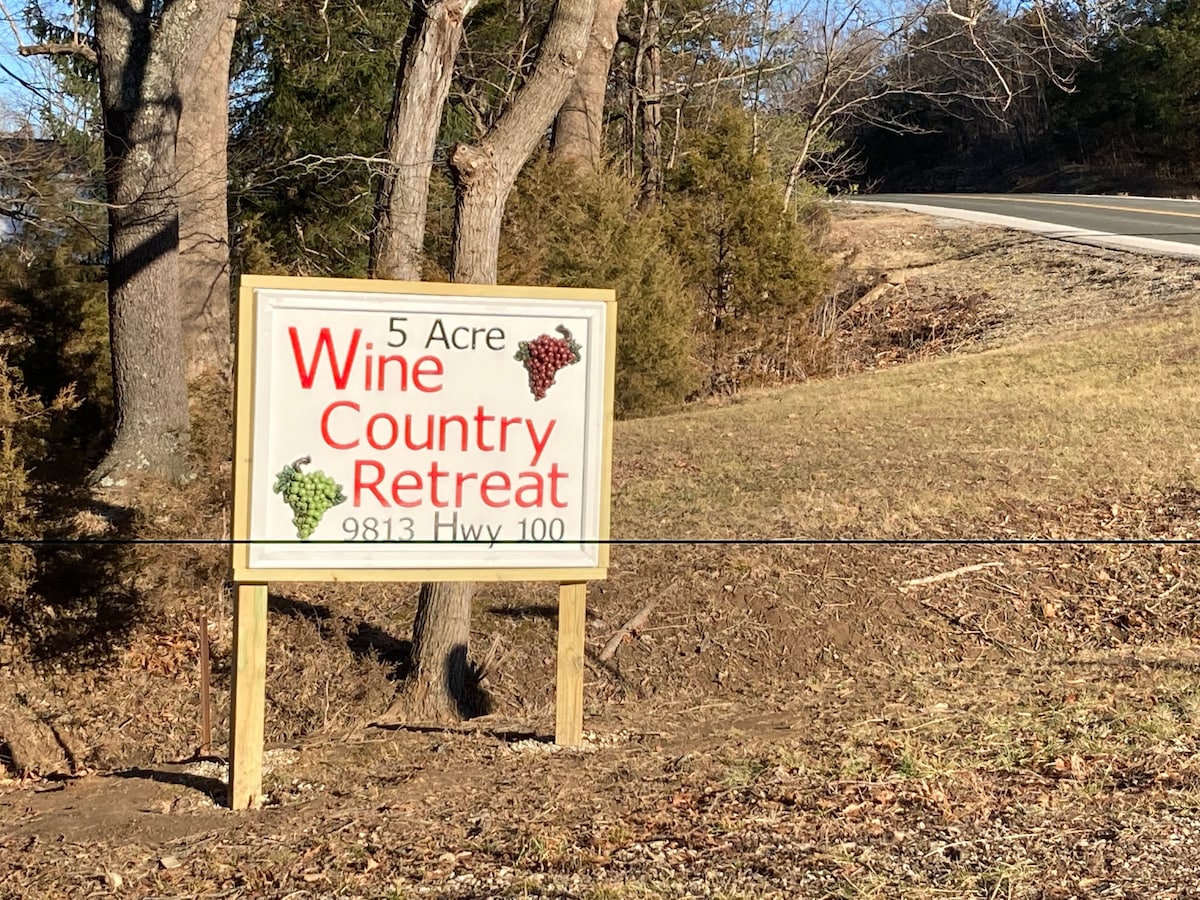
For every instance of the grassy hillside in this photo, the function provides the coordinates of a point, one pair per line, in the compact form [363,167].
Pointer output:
[820,720]
[956,441]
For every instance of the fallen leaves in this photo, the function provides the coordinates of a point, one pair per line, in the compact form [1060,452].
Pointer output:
[1072,766]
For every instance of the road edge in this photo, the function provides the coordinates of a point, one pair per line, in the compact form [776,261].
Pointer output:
[1050,230]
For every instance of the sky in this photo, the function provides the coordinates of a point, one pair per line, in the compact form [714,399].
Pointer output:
[15,99]
[23,81]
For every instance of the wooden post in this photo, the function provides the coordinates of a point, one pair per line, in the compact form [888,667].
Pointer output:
[248,696]
[572,614]
[205,691]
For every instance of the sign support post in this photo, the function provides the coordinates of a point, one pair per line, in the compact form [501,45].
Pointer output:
[249,696]
[568,695]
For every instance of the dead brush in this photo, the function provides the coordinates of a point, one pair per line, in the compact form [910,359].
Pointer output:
[917,321]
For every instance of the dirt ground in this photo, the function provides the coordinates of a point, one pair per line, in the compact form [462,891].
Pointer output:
[860,719]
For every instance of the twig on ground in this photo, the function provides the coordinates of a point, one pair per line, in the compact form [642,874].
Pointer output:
[887,281]
[958,622]
[946,576]
[489,658]
[633,624]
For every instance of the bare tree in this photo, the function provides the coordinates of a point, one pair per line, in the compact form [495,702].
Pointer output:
[484,173]
[849,58]
[148,56]
[145,59]
[579,127]
[203,219]
[687,62]
[650,97]
[439,684]
[431,45]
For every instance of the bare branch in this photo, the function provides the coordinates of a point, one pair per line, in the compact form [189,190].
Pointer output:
[83,51]
[747,71]
[852,60]
[79,47]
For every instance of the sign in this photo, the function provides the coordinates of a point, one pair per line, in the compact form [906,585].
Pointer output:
[395,431]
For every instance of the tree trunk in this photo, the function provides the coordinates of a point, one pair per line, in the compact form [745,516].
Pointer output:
[631,121]
[203,213]
[480,192]
[441,684]
[650,106]
[484,173]
[141,115]
[140,64]
[431,45]
[798,166]
[579,128]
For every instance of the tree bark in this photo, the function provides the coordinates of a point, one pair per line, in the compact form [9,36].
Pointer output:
[431,44]
[441,685]
[141,64]
[650,105]
[203,212]
[579,128]
[484,173]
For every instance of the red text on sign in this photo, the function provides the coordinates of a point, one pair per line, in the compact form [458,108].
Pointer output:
[441,487]
[384,372]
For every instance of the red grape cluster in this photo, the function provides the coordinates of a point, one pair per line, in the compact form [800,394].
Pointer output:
[544,356]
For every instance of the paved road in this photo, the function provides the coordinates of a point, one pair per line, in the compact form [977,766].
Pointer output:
[1134,223]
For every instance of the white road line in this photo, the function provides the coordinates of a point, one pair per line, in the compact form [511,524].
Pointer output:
[992,198]
[1049,229]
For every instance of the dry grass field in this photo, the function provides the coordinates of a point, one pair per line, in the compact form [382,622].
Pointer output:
[1003,712]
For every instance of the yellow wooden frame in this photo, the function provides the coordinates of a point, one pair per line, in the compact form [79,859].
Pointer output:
[250,606]
[243,429]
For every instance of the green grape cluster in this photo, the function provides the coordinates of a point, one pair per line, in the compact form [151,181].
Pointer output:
[309,494]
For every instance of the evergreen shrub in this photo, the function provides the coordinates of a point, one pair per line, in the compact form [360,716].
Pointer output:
[575,228]
[23,425]
[752,265]
[742,252]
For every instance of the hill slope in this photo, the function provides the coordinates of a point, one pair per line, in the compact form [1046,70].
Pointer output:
[809,719]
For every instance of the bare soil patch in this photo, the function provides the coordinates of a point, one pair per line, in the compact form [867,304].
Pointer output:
[803,720]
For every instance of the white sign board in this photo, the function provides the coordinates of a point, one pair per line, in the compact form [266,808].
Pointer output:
[392,431]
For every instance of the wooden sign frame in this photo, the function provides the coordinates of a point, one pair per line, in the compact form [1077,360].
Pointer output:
[247,720]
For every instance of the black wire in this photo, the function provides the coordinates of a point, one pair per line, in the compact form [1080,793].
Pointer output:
[694,542]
